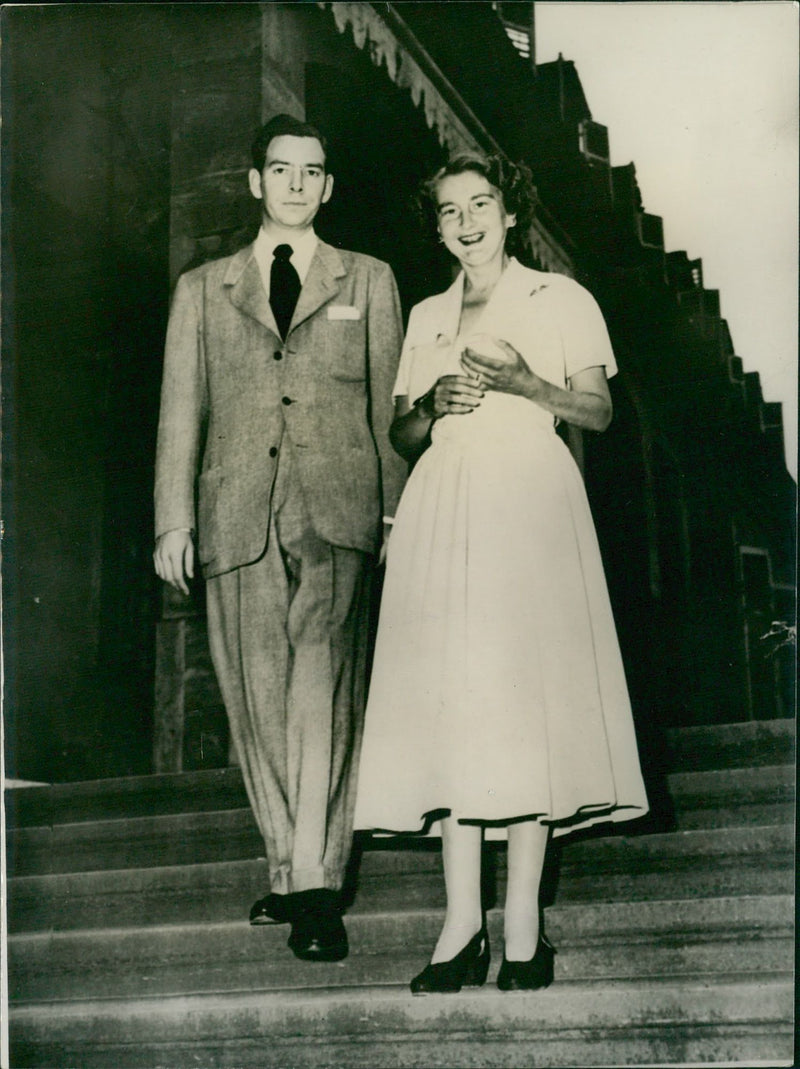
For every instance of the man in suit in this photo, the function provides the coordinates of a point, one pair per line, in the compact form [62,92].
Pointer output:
[278,375]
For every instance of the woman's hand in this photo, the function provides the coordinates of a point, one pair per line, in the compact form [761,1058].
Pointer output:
[586,404]
[506,376]
[451,395]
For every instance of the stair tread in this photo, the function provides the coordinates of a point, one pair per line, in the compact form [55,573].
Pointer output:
[231,835]
[483,1030]
[677,940]
[599,941]
[721,816]
[572,923]
[697,748]
[136,879]
[227,891]
[277,1005]
[705,787]
[714,746]
[252,873]
[166,792]
[649,913]
[780,727]
[710,959]
[690,781]
[747,838]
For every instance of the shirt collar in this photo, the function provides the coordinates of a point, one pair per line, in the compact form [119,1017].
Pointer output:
[304,246]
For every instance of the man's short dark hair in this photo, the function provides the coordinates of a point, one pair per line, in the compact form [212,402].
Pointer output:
[283,126]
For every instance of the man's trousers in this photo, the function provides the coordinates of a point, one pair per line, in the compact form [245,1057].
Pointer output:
[288,637]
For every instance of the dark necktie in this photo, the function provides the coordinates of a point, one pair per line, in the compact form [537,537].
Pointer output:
[284,287]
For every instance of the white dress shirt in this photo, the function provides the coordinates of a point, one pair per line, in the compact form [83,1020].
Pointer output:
[303,248]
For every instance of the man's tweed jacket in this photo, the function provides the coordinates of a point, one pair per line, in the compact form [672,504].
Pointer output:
[234,393]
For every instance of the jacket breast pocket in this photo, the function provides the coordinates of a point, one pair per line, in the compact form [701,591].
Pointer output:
[346,349]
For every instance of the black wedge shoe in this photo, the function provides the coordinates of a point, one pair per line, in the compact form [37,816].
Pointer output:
[467,969]
[528,975]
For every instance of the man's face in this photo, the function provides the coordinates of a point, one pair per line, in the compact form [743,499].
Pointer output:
[293,184]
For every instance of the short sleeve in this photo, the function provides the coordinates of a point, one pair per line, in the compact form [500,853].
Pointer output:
[403,379]
[584,333]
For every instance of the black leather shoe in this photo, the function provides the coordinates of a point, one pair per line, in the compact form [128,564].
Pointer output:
[318,931]
[272,909]
[528,975]
[467,969]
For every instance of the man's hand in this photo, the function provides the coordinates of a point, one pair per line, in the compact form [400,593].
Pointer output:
[174,559]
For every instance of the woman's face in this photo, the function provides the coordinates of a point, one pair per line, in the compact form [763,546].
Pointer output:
[471,218]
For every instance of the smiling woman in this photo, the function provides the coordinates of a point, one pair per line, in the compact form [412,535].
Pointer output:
[472,219]
[498,698]
[506,183]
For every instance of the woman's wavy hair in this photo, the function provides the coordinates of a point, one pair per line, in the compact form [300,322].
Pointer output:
[513,180]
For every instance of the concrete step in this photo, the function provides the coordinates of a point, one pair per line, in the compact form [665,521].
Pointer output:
[712,799]
[130,945]
[125,797]
[597,941]
[769,845]
[726,816]
[733,797]
[231,835]
[734,877]
[685,864]
[173,839]
[632,853]
[743,1019]
[717,746]
[690,749]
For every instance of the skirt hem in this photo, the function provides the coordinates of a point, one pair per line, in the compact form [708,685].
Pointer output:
[583,818]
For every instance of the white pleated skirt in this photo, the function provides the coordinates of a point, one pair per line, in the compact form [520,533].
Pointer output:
[497,690]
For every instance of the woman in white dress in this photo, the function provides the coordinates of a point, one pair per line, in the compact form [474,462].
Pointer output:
[498,700]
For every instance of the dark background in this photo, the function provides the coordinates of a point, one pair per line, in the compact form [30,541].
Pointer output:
[125,147]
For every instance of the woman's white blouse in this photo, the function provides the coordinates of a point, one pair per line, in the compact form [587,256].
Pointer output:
[551,320]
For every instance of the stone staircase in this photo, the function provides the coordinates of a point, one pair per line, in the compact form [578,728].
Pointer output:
[130,947]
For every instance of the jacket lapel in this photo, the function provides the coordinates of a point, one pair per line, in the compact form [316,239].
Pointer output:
[320,283]
[247,289]
[243,278]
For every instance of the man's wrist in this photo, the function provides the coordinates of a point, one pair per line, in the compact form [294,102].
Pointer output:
[186,530]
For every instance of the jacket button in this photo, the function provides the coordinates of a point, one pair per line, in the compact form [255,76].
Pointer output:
[278,354]
[286,400]
[273,452]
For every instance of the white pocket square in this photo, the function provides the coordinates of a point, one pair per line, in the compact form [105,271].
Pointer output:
[343,311]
